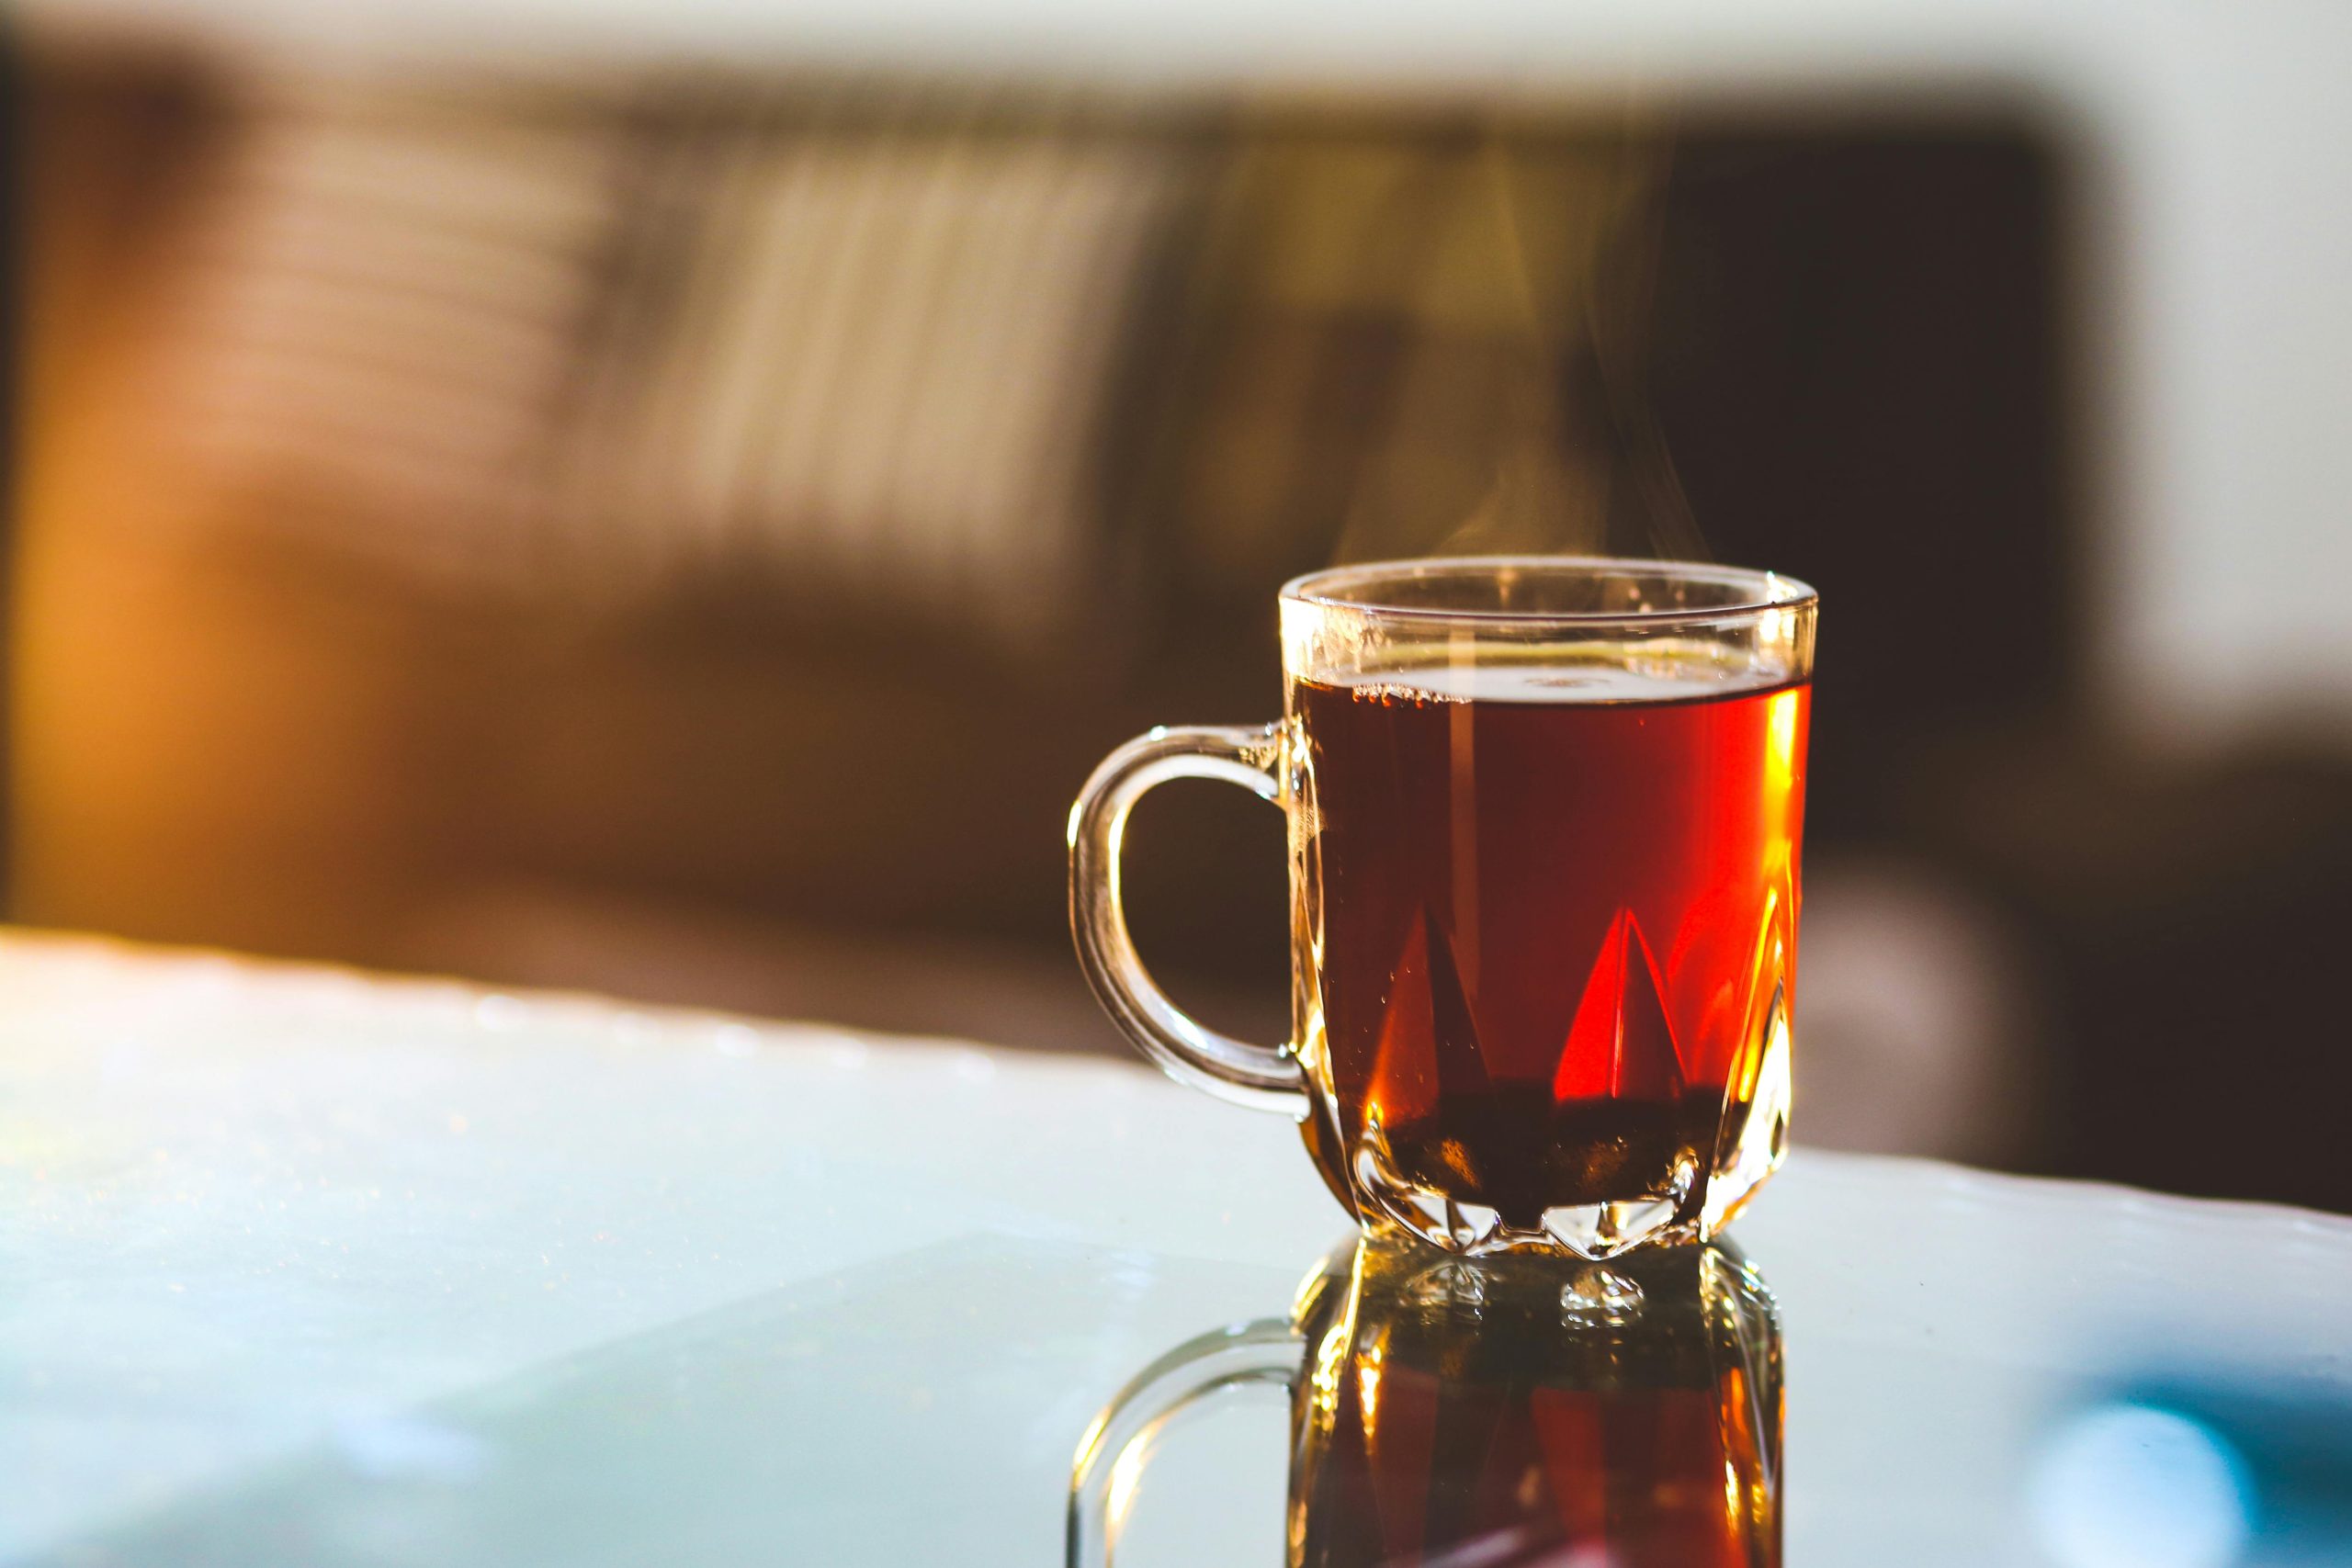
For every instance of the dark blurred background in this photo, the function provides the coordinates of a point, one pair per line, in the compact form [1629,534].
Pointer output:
[674,503]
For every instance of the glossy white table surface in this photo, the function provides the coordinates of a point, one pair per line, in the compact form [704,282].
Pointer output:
[303,1267]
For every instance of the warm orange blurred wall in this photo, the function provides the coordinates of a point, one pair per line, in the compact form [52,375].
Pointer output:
[461,516]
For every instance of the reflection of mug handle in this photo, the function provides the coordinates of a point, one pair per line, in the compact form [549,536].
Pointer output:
[1260,1075]
[1267,1352]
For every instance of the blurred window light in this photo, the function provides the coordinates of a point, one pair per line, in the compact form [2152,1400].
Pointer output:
[2129,1485]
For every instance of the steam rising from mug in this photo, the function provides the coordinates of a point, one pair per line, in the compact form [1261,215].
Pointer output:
[1537,302]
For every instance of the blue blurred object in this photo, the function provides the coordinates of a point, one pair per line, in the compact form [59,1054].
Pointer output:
[2197,1475]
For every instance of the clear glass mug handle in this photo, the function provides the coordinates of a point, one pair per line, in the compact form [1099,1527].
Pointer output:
[1262,1353]
[1265,1077]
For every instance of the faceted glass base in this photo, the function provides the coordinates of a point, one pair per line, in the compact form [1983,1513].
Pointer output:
[1703,1183]
[1591,1231]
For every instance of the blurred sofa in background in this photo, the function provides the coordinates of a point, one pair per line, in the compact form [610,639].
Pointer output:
[688,534]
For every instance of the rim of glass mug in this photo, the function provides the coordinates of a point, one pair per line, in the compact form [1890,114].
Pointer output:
[1696,593]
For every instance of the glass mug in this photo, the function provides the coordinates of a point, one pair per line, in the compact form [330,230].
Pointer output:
[1490,1413]
[1546,816]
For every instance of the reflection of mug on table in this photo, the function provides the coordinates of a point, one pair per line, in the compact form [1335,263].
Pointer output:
[1544,829]
[1502,1413]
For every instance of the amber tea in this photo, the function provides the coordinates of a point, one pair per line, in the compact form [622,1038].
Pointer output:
[1557,911]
